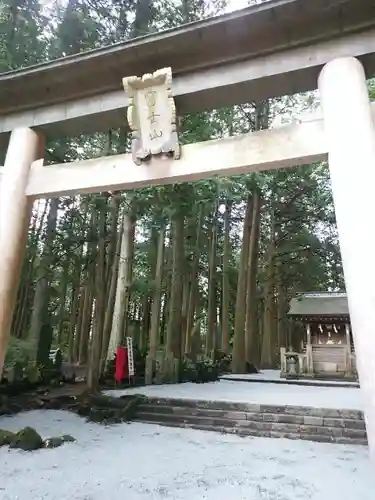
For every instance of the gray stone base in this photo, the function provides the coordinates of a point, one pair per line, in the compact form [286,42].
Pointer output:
[292,422]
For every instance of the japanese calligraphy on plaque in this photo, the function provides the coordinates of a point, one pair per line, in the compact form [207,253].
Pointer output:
[152,116]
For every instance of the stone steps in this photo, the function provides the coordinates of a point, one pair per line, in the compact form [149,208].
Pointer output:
[292,422]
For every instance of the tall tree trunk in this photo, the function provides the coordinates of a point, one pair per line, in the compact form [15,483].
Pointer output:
[192,301]
[185,305]
[269,324]
[239,357]
[251,287]
[173,343]
[78,323]
[72,323]
[87,313]
[21,312]
[225,280]
[100,304]
[145,323]
[114,267]
[282,310]
[212,307]
[124,281]
[41,297]
[63,293]
[164,314]
[156,302]
[86,323]
[112,253]
[148,296]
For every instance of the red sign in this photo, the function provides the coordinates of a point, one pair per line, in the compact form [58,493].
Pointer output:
[122,365]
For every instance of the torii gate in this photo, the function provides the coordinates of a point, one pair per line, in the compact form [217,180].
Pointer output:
[279,47]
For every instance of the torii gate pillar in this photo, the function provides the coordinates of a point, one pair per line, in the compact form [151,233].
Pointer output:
[25,146]
[350,135]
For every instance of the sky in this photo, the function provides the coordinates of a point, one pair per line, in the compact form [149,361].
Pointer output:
[236,5]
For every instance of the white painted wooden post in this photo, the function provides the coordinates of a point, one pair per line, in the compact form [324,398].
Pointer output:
[25,146]
[348,368]
[347,334]
[283,368]
[350,136]
[308,332]
[309,354]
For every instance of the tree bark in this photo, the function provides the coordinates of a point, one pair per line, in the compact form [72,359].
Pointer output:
[124,281]
[78,324]
[41,297]
[251,286]
[173,343]
[239,357]
[269,324]
[156,302]
[194,275]
[225,280]
[94,367]
[111,298]
[211,306]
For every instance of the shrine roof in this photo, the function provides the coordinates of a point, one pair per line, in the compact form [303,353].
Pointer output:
[326,304]
[273,25]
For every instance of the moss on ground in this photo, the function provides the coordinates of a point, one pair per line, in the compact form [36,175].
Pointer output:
[6,437]
[28,439]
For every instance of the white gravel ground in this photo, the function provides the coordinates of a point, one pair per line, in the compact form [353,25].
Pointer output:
[147,462]
[255,392]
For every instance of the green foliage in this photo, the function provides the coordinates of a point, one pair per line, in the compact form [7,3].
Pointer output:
[22,27]
[222,360]
[372,89]
[200,371]
[18,351]
[20,368]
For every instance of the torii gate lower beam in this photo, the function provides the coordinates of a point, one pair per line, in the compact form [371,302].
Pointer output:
[281,147]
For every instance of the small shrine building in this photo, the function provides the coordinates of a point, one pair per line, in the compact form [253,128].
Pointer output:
[327,346]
